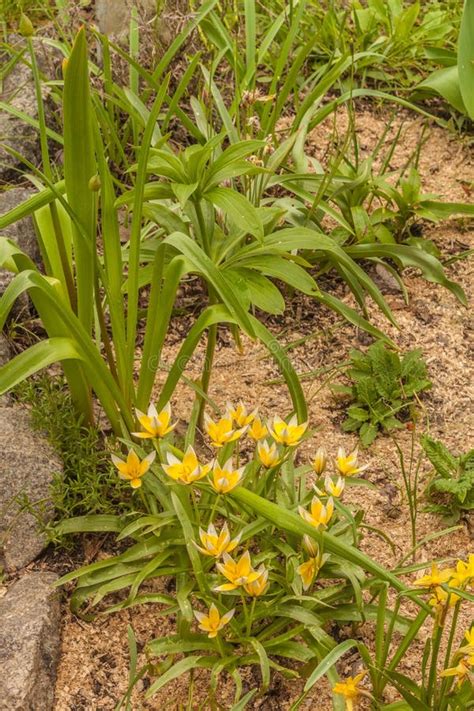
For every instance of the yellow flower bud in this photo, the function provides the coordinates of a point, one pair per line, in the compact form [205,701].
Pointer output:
[319,461]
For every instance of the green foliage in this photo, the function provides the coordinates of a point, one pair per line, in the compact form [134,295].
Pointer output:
[454,81]
[241,207]
[306,574]
[398,36]
[451,488]
[383,389]
[88,483]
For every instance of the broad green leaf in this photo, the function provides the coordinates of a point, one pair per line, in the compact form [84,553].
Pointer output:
[445,82]
[466,57]
[237,208]
[79,167]
[92,523]
[431,268]
[35,358]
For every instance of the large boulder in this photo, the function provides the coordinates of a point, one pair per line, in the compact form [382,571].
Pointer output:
[27,468]
[29,643]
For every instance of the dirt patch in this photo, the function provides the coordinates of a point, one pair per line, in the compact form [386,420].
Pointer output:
[93,672]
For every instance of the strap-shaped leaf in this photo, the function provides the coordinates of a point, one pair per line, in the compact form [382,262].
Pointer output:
[466,57]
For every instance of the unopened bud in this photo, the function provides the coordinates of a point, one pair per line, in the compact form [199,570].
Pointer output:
[94,183]
[320,460]
[64,64]
[310,546]
[26,26]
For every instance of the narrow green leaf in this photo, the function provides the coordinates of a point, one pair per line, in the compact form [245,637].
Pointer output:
[329,661]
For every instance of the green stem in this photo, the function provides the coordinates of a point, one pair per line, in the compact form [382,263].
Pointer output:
[431,688]
[214,508]
[207,369]
[220,646]
[452,632]
[195,506]
[248,622]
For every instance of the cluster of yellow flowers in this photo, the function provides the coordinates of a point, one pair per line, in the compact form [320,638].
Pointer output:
[238,573]
[274,439]
[346,465]
[464,657]
[235,423]
[459,577]
[322,506]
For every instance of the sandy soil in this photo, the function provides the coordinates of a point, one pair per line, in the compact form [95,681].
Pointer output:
[94,665]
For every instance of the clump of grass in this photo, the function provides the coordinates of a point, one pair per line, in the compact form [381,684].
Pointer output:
[88,483]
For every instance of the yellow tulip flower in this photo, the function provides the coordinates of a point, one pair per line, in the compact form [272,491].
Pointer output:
[237,572]
[440,598]
[320,514]
[437,577]
[468,649]
[461,671]
[239,414]
[334,488]
[287,433]
[347,464]
[308,572]
[213,622]
[216,544]
[350,690]
[133,468]
[260,586]
[154,423]
[463,573]
[469,636]
[186,470]
[257,429]
[268,454]
[225,478]
[320,461]
[222,432]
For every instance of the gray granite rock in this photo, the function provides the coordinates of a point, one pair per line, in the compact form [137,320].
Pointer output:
[18,91]
[386,281]
[113,16]
[27,467]
[29,643]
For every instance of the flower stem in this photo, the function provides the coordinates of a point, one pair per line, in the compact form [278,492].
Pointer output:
[436,641]
[214,508]
[248,622]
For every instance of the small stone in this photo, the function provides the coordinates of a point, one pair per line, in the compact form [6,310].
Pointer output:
[27,467]
[29,643]
[385,280]
[421,310]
